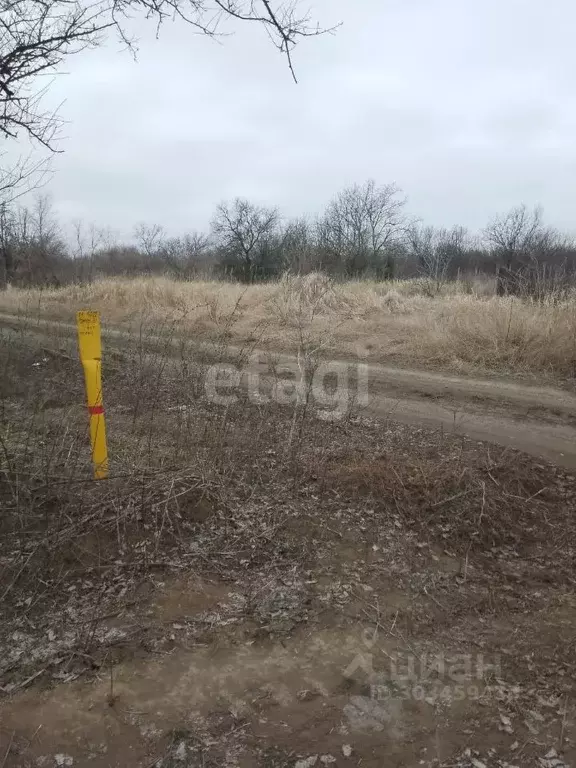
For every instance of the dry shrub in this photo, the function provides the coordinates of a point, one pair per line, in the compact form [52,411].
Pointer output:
[313,287]
[393,301]
[458,324]
[465,502]
[299,296]
[127,299]
[502,333]
[174,456]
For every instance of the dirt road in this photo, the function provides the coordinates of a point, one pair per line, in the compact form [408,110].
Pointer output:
[539,420]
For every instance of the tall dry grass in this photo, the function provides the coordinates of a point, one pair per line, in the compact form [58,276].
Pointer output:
[463,326]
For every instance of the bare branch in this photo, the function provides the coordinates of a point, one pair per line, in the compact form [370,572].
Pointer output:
[36,36]
[361,224]
[241,230]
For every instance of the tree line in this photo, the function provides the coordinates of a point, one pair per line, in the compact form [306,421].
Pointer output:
[364,232]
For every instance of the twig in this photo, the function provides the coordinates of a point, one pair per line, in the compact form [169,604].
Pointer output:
[561,740]
[466,561]
[438,603]
[3,763]
[483,505]
[111,698]
[451,498]
[28,680]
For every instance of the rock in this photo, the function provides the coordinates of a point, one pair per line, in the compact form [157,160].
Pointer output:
[551,760]
[327,759]
[63,760]
[308,762]
[306,695]
[346,750]
[506,724]
[365,714]
[180,751]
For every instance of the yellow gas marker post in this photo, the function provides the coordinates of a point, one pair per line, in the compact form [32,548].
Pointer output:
[90,346]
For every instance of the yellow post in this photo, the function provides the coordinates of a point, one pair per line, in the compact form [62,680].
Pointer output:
[91,356]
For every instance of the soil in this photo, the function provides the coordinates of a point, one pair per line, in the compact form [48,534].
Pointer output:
[400,592]
[537,419]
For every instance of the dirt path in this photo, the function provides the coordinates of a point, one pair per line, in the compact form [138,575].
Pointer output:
[323,695]
[539,420]
[245,693]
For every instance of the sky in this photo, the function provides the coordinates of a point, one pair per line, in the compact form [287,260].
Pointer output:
[468,106]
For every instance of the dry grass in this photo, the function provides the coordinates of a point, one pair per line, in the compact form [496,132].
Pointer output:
[463,326]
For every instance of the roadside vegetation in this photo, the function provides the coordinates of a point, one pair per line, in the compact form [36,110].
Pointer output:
[365,276]
[462,326]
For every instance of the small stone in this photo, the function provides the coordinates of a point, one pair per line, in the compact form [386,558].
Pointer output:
[63,760]
[327,759]
[308,762]
[506,724]
[346,750]
[531,727]
[306,695]
[180,753]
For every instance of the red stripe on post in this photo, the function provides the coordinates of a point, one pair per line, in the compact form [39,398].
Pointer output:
[95,410]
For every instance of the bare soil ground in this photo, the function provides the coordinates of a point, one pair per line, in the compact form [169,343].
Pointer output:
[257,586]
[536,418]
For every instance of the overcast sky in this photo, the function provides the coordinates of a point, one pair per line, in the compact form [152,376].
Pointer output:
[468,106]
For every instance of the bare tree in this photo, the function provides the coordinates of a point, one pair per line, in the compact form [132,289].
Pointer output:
[184,255]
[298,246]
[150,238]
[241,231]
[6,245]
[434,250]
[514,234]
[88,241]
[522,247]
[36,36]
[362,225]
[31,245]
[46,247]
[21,175]
[17,178]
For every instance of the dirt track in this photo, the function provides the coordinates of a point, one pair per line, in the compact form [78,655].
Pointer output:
[539,420]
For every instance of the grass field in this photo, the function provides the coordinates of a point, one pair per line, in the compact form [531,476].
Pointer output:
[461,327]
